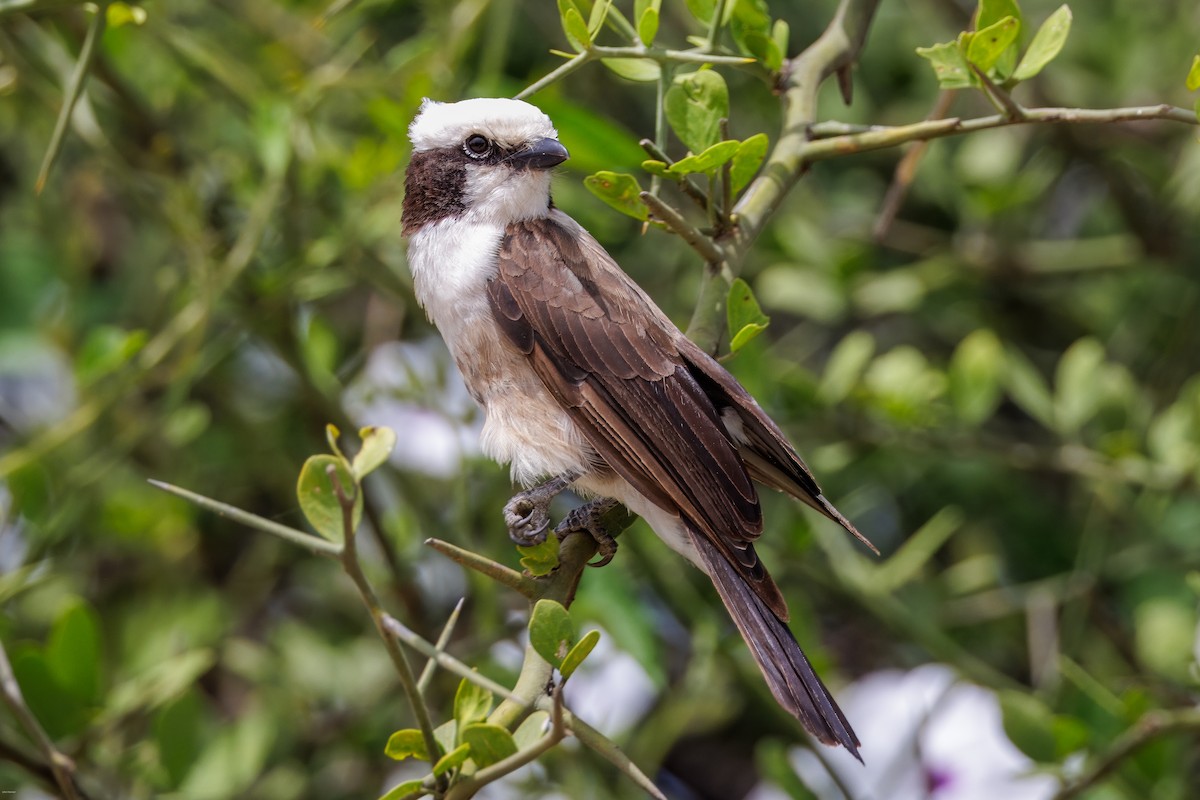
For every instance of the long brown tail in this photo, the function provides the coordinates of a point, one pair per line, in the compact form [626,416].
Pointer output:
[783,664]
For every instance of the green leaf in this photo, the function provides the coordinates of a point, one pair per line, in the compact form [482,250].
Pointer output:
[975,374]
[318,499]
[743,315]
[540,559]
[702,10]
[1071,735]
[106,349]
[751,30]
[745,335]
[619,190]
[1046,44]
[446,735]
[989,44]
[659,168]
[1029,725]
[452,760]
[990,12]
[532,729]
[377,444]
[178,735]
[747,160]
[489,743]
[596,19]
[1193,77]
[73,653]
[1028,388]
[845,367]
[332,434]
[406,743]
[647,26]
[641,70]
[404,789]
[578,653]
[124,14]
[471,703]
[573,25]
[1076,381]
[763,48]
[232,758]
[695,105]
[709,161]
[58,711]
[551,631]
[949,65]
[163,682]
[781,32]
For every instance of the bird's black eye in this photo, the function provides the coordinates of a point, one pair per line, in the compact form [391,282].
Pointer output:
[477,146]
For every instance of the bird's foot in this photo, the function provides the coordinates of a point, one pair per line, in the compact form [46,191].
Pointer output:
[526,514]
[588,518]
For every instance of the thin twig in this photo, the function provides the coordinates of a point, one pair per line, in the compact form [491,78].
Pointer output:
[486,566]
[675,221]
[683,181]
[354,569]
[74,89]
[403,633]
[62,767]
[1151,726]
[661,55]
[439,646]
[530,684]
[600,744]
[884,137]
[1003,101]
[906,172]
[468,787]
[315,544]
[714,26]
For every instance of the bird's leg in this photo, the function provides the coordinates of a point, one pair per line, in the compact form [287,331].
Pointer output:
[526,513]
[589,518]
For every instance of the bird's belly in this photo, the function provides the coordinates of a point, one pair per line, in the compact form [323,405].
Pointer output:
[524,426]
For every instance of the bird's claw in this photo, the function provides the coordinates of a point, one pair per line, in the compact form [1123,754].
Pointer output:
[527,520]
[587,519]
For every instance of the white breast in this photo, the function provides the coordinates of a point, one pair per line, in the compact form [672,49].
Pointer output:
[451,263]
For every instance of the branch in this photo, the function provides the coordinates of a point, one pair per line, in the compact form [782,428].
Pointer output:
[349,557]
[468,788]
[1151,726]
[661,55]
[675,221]
[439,646]
[878,138]
[74,89]
[317,545]
[501,574]
[61,766]
[836,49]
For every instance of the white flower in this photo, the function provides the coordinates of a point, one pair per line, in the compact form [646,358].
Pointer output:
[925,736]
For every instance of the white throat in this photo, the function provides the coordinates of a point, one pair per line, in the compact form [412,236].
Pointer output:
[498,195]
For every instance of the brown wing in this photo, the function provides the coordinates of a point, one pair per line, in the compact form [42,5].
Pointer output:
[767,453]
[611,358]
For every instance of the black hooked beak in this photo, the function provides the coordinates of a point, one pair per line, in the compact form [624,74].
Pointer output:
[542,154]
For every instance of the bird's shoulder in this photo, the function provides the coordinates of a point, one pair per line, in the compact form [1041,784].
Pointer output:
[554,280]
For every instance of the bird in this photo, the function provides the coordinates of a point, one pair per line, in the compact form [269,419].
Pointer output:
[585,383]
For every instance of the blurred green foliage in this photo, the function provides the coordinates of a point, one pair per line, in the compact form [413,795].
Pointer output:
[1003,391]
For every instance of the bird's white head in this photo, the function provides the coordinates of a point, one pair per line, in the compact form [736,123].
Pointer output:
[488,159]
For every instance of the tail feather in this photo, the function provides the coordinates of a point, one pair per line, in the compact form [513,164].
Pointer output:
[788,674]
